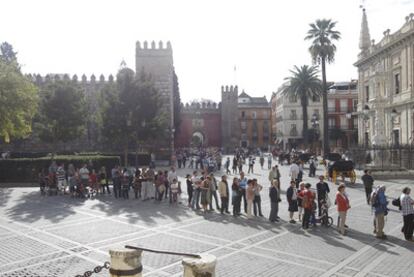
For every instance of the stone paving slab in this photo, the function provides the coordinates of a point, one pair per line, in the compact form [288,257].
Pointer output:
[60,236]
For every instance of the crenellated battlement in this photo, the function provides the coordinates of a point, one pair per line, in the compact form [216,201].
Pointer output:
[39,79]
[229,89]
[153,46]
[200,107]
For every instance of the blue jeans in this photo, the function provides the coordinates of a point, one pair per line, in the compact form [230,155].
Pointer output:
[195,203]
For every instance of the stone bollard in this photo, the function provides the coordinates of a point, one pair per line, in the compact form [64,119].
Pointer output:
[203,267]
[125,263]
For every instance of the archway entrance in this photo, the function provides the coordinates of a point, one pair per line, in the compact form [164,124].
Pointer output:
[197,139]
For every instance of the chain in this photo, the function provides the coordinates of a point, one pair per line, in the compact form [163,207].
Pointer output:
[95,270]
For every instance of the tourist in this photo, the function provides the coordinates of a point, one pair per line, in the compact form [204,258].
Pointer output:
[250,193]
[205,191]
[274,202]
[93,181]
[213,193]
[125,184]
[103,180]
[223,189]
[234,166]
[300,199]
[257,202]
[379,204]
[368,182]
[236,196]
[116,181]
[262,160]
[175,191]
[343,206]
[312,167]
[137,183]
[308,198]
[406,204]
[227,165]
[322,190]
[42,182]
[171,175]
[197,191]
[61,178]
[251,165]
[294,171]
[240,164]
[160,186]
[269,161]
[84,176]
[189,188]
[150,184]
[243,186]
[292,199]
[274,174]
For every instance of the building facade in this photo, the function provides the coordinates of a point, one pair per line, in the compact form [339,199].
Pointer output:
[385,86]
[289,120]
[254,117]
[342,114]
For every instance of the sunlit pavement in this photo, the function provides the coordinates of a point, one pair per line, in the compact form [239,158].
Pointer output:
[60,236]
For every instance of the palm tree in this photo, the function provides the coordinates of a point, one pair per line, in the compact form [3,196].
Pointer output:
[323,50]
[303,84]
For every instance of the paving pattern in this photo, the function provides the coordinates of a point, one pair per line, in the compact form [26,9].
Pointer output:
[60,236]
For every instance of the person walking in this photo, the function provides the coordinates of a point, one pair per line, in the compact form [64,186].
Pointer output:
[262,160]
[368,182]
[257,202]
[274,202]
[236,196]
[243,187]
[379,204]
[190,189]
[227,165]
[234,165]
[407,212]
[250,192]
[342,203]
[322,190]
[223,189]
[292,199]
[294,171]
[251,165]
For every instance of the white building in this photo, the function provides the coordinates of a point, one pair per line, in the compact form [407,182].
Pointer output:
[385,86]
[289,119]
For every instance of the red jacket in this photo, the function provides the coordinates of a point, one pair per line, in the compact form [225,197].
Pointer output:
[342,202]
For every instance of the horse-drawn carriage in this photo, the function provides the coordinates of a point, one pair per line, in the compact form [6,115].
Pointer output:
[337,167]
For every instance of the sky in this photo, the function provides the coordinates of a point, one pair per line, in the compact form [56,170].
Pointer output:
[261,39]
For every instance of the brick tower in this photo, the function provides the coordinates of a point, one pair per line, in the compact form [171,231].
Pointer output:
[229,118]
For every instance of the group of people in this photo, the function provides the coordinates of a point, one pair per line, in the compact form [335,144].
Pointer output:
[204,158]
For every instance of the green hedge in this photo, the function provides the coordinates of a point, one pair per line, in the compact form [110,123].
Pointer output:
[27,169]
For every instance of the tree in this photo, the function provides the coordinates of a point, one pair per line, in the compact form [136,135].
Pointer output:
[133,111]
[303,84]
[62,114]
[322,50]
[18,99]
[7,53]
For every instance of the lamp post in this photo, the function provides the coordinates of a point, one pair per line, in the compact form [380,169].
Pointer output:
[315,126]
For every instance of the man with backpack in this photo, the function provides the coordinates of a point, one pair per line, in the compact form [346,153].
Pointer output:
[379,205]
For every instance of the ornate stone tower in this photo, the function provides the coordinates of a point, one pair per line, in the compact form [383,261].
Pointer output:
[229,118]
[157,62]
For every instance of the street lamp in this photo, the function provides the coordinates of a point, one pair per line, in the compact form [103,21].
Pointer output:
[315,126]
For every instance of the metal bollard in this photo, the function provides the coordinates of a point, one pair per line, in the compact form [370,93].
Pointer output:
[205,266]
[125,263]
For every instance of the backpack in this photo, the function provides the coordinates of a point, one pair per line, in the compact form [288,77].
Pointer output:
[373,200]
[397,202]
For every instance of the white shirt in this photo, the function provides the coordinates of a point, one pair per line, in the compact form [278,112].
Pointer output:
[294,169]
[171,176]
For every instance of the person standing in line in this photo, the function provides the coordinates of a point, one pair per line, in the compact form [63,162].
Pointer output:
[407,212]
[236,196]
[205,190]
[189,189]
[103,179]
[61,178]
[308,197]
[292,198]
[379,204]
[172,174]
[343,206]
[300,198]
[257,202]
[274,202]
[195,204]
[250,192]
[322,190]
[137,183]
[213,193]
[223,189]
[368,182]
[243,187]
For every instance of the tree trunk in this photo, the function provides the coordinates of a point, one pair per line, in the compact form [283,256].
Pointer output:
[325,148]
[304,103]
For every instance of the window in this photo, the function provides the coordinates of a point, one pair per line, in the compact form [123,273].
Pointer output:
[243,114]
[331,105]
[293,130]
[293,115]
[344,105]
[355,123]
[397,83]
[243,125]
[331,122]
[316,98]
[293,99]
[254,115]
[367,93]
[354,105]
[316,111]
[344,123]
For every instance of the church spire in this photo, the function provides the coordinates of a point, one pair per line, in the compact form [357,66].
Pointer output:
[364,37]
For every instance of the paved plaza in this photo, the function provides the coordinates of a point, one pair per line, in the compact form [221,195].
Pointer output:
[60,236]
